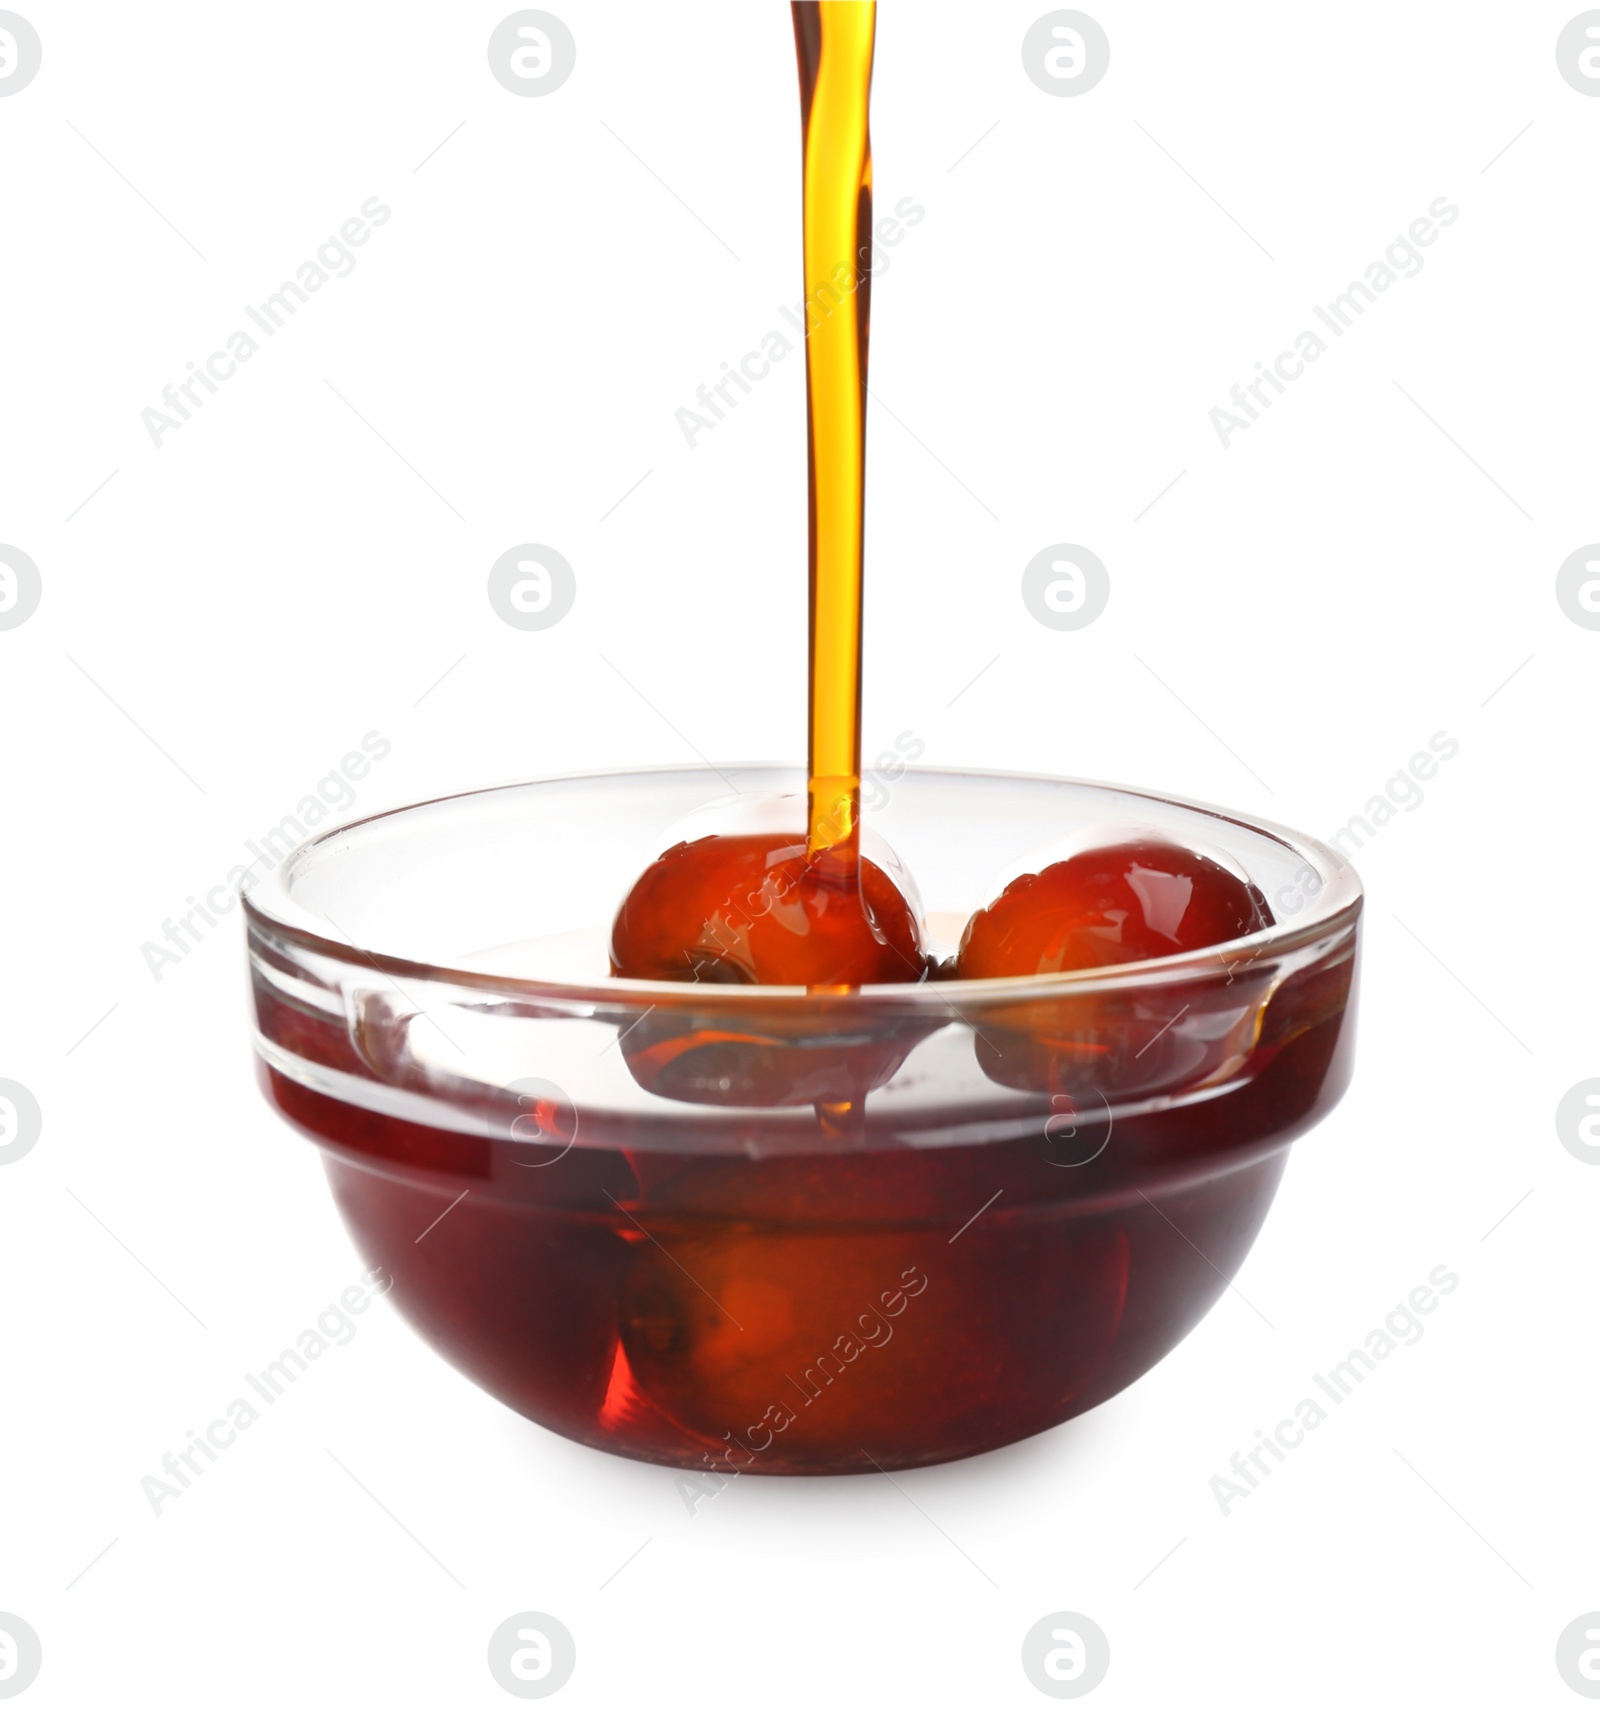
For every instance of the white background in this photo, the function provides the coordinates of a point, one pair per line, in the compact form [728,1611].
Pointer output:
[275,580]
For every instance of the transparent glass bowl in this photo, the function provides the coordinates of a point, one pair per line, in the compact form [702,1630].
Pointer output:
[760,1229]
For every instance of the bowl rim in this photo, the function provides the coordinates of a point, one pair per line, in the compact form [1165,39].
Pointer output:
[269,907]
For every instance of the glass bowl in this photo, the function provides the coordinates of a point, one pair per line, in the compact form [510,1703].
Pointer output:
[761,1229]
